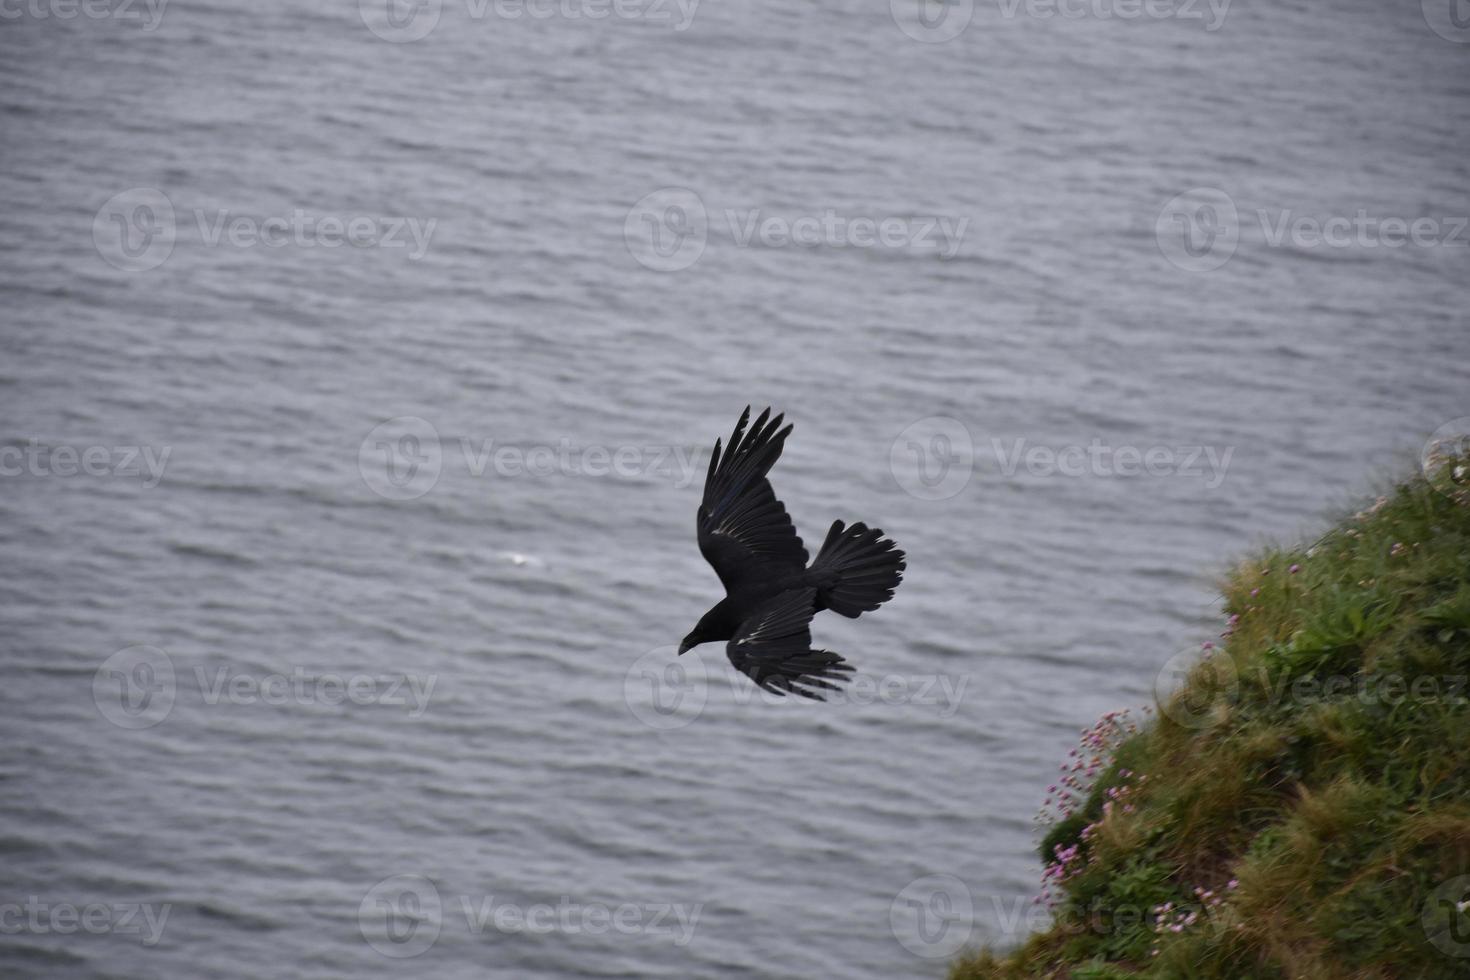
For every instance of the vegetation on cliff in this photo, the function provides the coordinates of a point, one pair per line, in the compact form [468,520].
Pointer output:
[1300,809]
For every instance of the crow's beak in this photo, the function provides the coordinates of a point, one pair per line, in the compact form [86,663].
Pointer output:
[684,646]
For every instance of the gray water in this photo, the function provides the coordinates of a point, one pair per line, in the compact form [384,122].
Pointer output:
[515,735]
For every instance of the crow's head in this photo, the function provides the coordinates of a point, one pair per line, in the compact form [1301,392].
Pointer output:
[712,626]
[707,630]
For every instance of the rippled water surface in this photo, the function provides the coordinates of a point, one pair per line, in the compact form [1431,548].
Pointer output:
[439,648]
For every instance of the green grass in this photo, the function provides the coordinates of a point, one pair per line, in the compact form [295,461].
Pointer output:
[1306,791]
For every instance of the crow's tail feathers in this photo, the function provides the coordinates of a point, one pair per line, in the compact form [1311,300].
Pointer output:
[857,570]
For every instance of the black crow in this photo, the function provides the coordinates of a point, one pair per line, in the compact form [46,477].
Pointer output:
[770,593]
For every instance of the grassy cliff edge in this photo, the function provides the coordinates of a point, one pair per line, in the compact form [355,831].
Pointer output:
[1301,807]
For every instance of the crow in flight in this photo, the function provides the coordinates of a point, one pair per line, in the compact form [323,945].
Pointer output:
[770,593]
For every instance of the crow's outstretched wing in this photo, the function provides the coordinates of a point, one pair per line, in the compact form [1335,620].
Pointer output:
[744,531]
[773,647]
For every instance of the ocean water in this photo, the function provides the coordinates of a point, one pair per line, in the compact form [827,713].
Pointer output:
[341,579]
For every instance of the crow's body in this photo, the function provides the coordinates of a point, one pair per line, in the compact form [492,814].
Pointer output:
[771,594]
